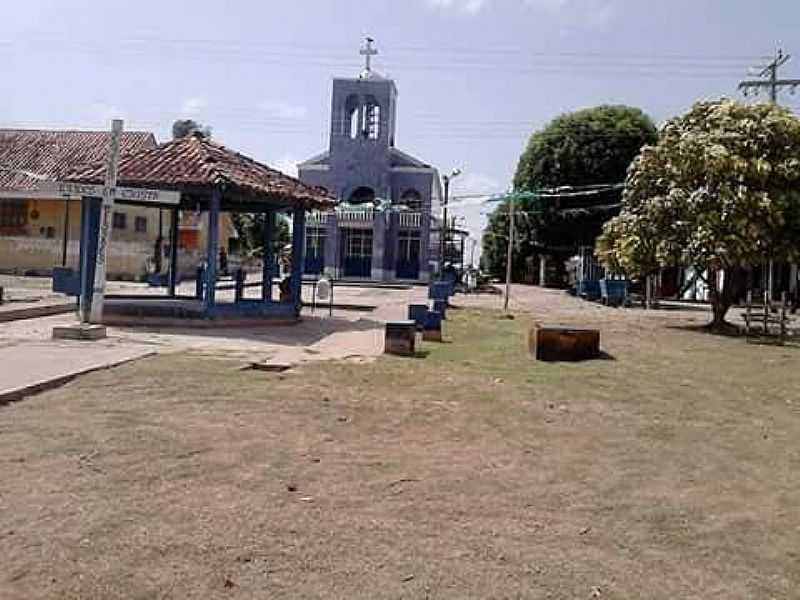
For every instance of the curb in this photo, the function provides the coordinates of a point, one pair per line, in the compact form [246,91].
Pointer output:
[17,394]
[35,312]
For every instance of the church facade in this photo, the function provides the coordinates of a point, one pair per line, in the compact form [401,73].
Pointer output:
[381,228]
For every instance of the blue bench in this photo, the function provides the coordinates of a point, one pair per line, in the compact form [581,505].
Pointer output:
[588,289]
[614,292]
[418,313]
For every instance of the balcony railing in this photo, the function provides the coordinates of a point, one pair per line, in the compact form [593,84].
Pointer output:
[410,220]
[316,218]
[355,215]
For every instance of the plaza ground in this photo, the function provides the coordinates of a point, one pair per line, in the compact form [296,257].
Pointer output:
[667,470]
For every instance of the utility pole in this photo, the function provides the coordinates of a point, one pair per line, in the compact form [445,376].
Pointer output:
[769,80]
[511,203]
[511,198]
[445,226]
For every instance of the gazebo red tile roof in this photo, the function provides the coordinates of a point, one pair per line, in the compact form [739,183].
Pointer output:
[196,163]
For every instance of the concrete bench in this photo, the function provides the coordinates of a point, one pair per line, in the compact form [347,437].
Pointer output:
[553,344]
[432,331]
[400,338]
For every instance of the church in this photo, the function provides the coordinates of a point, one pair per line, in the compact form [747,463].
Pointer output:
[382,226]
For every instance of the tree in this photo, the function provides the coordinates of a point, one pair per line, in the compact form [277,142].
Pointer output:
[250,231]
[719,193]
[587,147]
[185,127]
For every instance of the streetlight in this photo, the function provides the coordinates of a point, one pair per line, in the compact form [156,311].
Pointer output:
[453,174]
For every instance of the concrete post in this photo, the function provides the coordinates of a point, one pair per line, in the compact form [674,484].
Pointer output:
[268,271]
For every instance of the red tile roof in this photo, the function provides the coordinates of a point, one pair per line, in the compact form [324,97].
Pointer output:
[53,154]
[195,163]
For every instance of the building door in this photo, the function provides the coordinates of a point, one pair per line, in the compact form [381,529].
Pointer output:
[356,252]
[315,251]
[408,250]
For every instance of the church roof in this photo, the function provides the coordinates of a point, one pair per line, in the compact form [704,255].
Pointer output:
[196,164]
[398,159]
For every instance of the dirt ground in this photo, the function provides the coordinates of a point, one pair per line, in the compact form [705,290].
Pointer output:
[668,470]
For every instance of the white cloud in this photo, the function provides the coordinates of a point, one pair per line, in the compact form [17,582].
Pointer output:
[593,14]
[286,164]
[191,107]
[283,110]
[551,5]
[469,7]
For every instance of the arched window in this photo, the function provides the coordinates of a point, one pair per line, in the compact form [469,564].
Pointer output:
[372,118]
[350,117]
[412,199]
[362,195]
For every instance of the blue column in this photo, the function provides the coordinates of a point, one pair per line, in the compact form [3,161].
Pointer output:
[269,256]
[212,250]
[90,229]
[173,253]
[298,250]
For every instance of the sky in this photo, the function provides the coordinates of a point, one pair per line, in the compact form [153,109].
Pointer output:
[475,77]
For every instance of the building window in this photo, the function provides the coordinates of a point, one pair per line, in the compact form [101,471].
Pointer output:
[411,199]
[350,117]
[408,245]
[13,213]
[359,244]
[50,232]
[120,220]
[362,195]
[315,243]
[372,119]
[140,224]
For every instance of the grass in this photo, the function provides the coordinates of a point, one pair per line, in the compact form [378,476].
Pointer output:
[476,472]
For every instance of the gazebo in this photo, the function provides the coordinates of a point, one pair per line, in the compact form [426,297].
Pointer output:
[214,179]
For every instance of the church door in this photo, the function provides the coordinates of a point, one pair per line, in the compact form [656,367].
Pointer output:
[356,252]
[315,251]
[408,255]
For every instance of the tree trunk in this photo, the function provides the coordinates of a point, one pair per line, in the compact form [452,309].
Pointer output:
[733,285]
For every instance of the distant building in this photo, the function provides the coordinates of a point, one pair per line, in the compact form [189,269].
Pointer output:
[39,234]
[381,229]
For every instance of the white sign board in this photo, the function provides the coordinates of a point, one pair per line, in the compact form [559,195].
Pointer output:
[49,190]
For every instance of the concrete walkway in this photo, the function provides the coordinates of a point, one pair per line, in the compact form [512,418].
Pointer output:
[30,367]
[31,361]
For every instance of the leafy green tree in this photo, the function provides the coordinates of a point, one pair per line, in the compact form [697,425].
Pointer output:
[587,147]
[250,231]
[720,192]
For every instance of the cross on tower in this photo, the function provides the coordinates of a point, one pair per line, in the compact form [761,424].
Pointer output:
[368,51]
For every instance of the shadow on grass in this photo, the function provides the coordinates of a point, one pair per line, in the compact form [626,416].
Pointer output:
[729,330]
[734,331]
[604,356]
